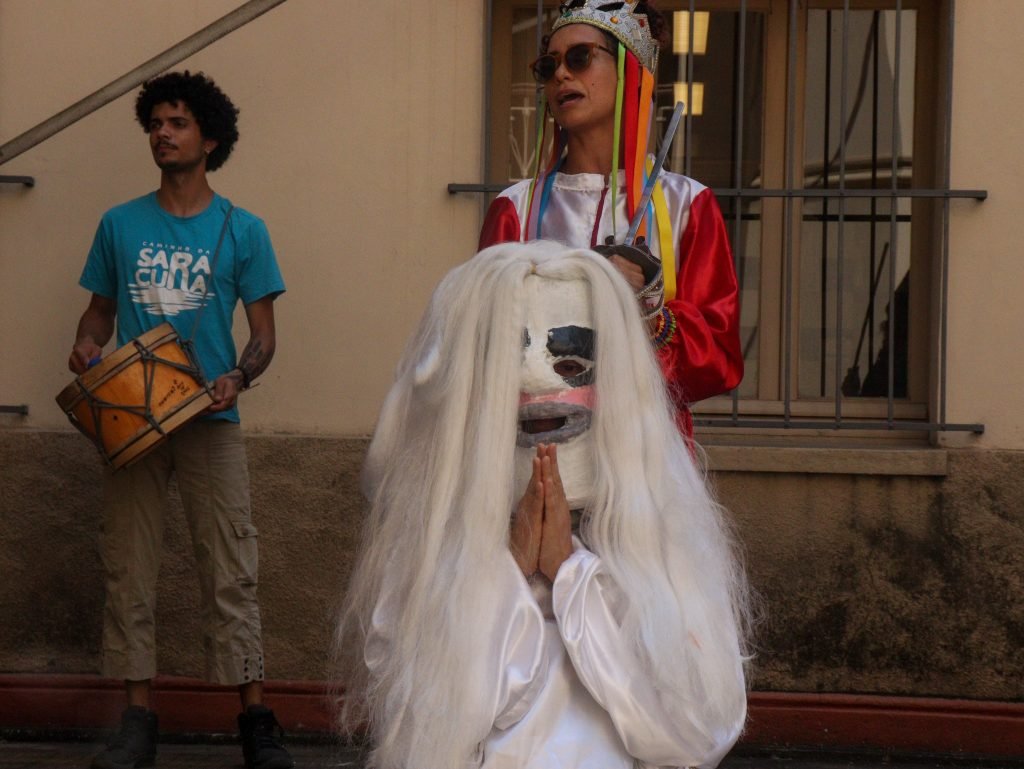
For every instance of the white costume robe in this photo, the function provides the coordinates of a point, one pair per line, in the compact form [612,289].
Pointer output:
[568,692]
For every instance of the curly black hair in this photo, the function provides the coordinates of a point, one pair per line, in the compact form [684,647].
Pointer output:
[216,114]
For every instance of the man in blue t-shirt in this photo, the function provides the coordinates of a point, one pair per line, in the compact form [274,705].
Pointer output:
[185,255]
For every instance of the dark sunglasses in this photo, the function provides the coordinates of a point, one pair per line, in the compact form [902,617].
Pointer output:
[576,57]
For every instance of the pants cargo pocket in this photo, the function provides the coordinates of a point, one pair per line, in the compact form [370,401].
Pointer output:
[248,552]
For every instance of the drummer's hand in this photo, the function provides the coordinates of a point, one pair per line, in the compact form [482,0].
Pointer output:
[225,391]
[631,272]
[82,354]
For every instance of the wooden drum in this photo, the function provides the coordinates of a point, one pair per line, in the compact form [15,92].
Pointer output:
[129,402]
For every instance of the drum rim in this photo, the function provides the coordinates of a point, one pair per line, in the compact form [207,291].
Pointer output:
[152,432]
[120,459]
[114,364]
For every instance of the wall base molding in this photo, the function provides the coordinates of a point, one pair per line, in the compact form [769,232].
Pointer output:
[781,720]
[896,724]
[185,705]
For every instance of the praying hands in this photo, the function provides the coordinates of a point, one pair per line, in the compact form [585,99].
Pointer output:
[541,538]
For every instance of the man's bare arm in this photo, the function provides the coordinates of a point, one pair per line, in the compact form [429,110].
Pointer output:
[255,358]
[95,328]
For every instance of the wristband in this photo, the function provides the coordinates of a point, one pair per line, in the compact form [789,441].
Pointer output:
[665,330]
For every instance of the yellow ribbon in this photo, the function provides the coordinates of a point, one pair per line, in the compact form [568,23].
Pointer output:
[665,238]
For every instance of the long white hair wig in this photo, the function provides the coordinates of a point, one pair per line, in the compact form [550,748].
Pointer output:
[438,478]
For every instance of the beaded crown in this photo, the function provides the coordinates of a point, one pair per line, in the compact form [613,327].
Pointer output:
[631,29]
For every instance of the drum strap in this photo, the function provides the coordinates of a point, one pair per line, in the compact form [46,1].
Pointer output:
[213,272]
[187,344]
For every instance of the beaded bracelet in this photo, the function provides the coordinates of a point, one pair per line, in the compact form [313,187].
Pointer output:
[666,328]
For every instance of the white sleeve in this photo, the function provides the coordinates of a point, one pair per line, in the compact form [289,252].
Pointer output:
[520,654]
[516,645]
[588,608]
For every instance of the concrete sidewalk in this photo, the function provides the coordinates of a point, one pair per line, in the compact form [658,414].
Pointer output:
[227,755]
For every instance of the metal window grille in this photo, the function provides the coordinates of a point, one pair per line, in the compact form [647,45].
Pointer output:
[834,199]
[840,194]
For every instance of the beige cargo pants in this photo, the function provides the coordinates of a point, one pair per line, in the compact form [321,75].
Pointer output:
[208,458]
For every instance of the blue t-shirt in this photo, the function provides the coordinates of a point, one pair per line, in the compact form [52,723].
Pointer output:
[156,266]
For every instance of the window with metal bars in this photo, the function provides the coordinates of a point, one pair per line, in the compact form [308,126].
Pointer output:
[822,126]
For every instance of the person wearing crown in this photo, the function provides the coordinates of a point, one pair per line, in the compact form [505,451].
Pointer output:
[597,70]
[545,580]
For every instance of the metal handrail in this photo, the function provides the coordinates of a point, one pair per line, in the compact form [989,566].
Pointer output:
[177,53]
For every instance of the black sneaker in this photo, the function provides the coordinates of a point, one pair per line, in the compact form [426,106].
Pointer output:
[260,732]
[134,745]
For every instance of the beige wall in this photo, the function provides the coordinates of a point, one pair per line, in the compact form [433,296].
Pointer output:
[986,316]
[353,122]
[352,125]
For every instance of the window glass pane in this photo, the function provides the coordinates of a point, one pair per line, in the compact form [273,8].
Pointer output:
[886,305]
[714,137]
[725,116]
[522,130]
[873,139]
[867,295]
[745,237]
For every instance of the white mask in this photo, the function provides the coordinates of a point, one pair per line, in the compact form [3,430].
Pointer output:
[556,386]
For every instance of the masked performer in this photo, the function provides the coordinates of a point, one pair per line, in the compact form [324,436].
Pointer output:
[545,580]
[597,70]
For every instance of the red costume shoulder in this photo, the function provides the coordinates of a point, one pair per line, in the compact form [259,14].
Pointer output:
[501,225]
[703,358]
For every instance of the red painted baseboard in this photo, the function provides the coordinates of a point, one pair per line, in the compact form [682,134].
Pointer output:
[788,720]
[899,724]
[184,704]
